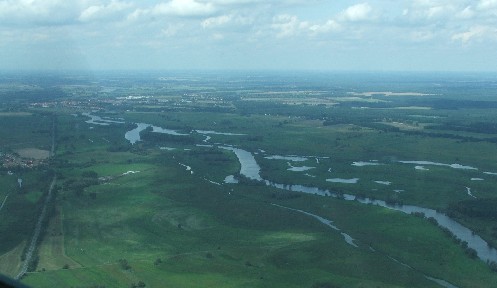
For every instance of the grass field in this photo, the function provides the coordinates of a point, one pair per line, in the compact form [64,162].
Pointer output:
[178,228]
[10,262]
[129,213]
[52,250]
[24,130]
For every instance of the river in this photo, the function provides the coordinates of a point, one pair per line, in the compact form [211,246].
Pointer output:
[133,136]
[251,169]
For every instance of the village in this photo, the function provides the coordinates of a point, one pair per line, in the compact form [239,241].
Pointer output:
[28,158]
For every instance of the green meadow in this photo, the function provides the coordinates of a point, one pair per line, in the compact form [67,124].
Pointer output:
[159,214]
[176,227]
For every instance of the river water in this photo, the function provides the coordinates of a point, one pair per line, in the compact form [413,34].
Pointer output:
[133,136]
[97,120]
[251,169]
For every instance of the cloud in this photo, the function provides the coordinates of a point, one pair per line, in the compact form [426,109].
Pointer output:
[172,29]
[421,36]
[487,8]
[217,36]
[288,25]
[101,12]
[433,9]
[175,8]
[216,21]
[358,12]
[328,26]
[183,24]
[184,8]
[39,12]
[487,4]
[436,11]
[467,13]
[264,2]
[475,32]
[236,2]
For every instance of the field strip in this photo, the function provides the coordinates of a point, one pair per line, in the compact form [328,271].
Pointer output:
[36,234]
[166,257]
[51,249]
[63,239]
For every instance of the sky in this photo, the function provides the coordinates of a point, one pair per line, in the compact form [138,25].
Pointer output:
[371,35]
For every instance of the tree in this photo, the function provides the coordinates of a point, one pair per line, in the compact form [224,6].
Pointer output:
[89,174]
[324,285]
[493,266]
[140,284]
[124,264]
[471,253]
[157,261]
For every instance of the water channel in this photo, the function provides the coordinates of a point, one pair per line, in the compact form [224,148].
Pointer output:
[251,169]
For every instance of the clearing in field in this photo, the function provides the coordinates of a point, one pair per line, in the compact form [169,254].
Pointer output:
[404,126]
[33,153]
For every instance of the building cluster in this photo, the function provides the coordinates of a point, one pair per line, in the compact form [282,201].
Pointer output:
[11,161]
[95,102]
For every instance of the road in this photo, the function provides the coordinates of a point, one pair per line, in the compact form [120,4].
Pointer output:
[3,203]
[36,234]
[41,218]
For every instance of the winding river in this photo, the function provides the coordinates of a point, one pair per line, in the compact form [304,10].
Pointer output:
[251,169]
[133,136]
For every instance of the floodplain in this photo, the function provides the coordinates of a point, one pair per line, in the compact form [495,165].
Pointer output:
[155,209]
